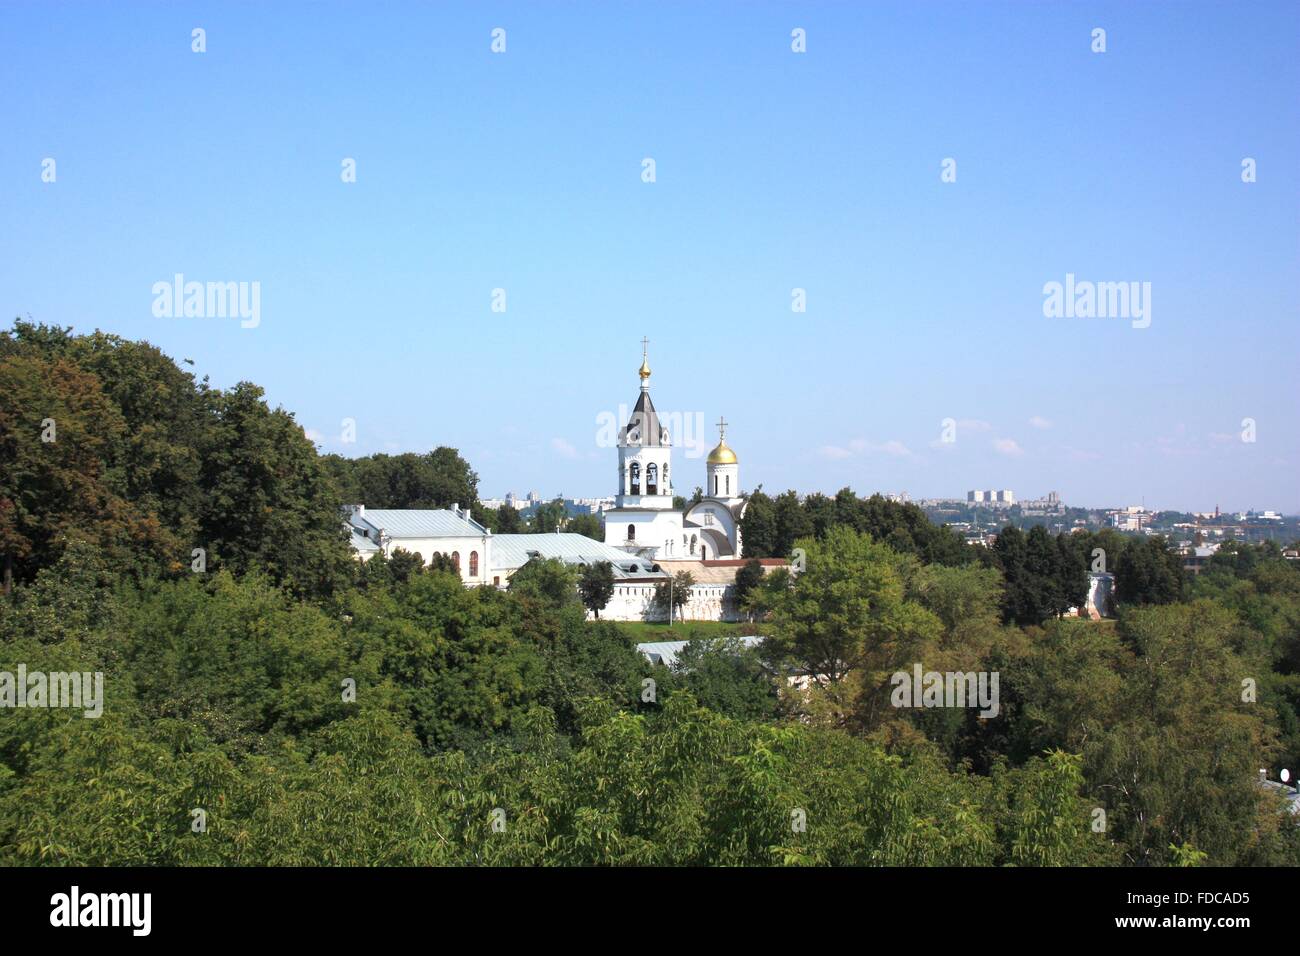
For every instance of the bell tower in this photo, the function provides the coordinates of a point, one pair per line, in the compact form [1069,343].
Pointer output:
[644,452]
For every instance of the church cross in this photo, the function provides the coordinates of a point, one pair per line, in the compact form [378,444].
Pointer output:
[645,347]
[722,428]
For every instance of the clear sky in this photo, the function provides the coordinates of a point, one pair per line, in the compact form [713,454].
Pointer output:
[774,170]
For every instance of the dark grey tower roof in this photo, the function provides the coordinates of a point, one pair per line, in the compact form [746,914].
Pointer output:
[643,427]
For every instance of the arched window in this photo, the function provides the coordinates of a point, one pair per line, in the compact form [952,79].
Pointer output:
[631,532]
[715,485]
[704,552]
[455,561]
[652,479]
[473,564]
[694,539]
[728,484]
[635,472]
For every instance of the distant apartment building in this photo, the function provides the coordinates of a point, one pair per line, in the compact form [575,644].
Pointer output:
[1132,518]
[1050,505]
[511,499]
[991,499]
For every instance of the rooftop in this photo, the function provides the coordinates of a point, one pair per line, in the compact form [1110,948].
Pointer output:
[511,551]
[419,522]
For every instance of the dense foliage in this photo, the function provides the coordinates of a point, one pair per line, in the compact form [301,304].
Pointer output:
[281,704]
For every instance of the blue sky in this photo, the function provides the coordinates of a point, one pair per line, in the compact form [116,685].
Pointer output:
[774,171]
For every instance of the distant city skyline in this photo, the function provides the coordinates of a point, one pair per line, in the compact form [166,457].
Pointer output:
[780,178]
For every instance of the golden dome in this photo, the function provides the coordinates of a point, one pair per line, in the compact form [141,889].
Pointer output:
[645,368]
[722,455]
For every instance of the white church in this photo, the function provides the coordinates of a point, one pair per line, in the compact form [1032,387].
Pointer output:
[643,520]
[647,540]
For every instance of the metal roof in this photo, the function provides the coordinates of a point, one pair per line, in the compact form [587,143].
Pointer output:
[361,542]
[665,652]
[510,551]
[420,523]
[643,427]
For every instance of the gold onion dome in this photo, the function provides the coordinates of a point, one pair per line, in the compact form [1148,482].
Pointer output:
[645,368]
[722,455]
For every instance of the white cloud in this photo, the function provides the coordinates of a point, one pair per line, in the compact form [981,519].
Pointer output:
[860,446]
[563,448]
[1007,446]
[313,435]
[1038,421]
[972,425]
[895,448]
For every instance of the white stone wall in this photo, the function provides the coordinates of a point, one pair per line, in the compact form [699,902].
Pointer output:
[634,602]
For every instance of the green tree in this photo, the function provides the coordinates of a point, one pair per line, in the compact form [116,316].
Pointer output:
[848,613]
[749,577]
[548,517]
[587,525]
[268,502]
[672,596]
[402,564]
[1148,572]
[549,580]
[507,520]
[758,527]
[596,586]
[727,677]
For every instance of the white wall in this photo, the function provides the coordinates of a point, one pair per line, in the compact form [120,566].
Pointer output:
[426,547]
[653,529]
[634,602]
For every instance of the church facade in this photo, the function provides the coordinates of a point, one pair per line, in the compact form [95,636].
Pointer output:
[644,520]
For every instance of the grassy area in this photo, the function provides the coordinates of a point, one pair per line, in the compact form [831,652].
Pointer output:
[646,631]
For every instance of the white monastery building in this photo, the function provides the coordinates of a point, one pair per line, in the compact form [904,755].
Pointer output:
[646,541]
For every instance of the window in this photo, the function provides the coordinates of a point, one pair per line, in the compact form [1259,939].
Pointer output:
[496,581]
[715,484]
[635,472]
[728,484]
[694,540]
[652,479]
[631,532]
[455,561]
[473,564]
